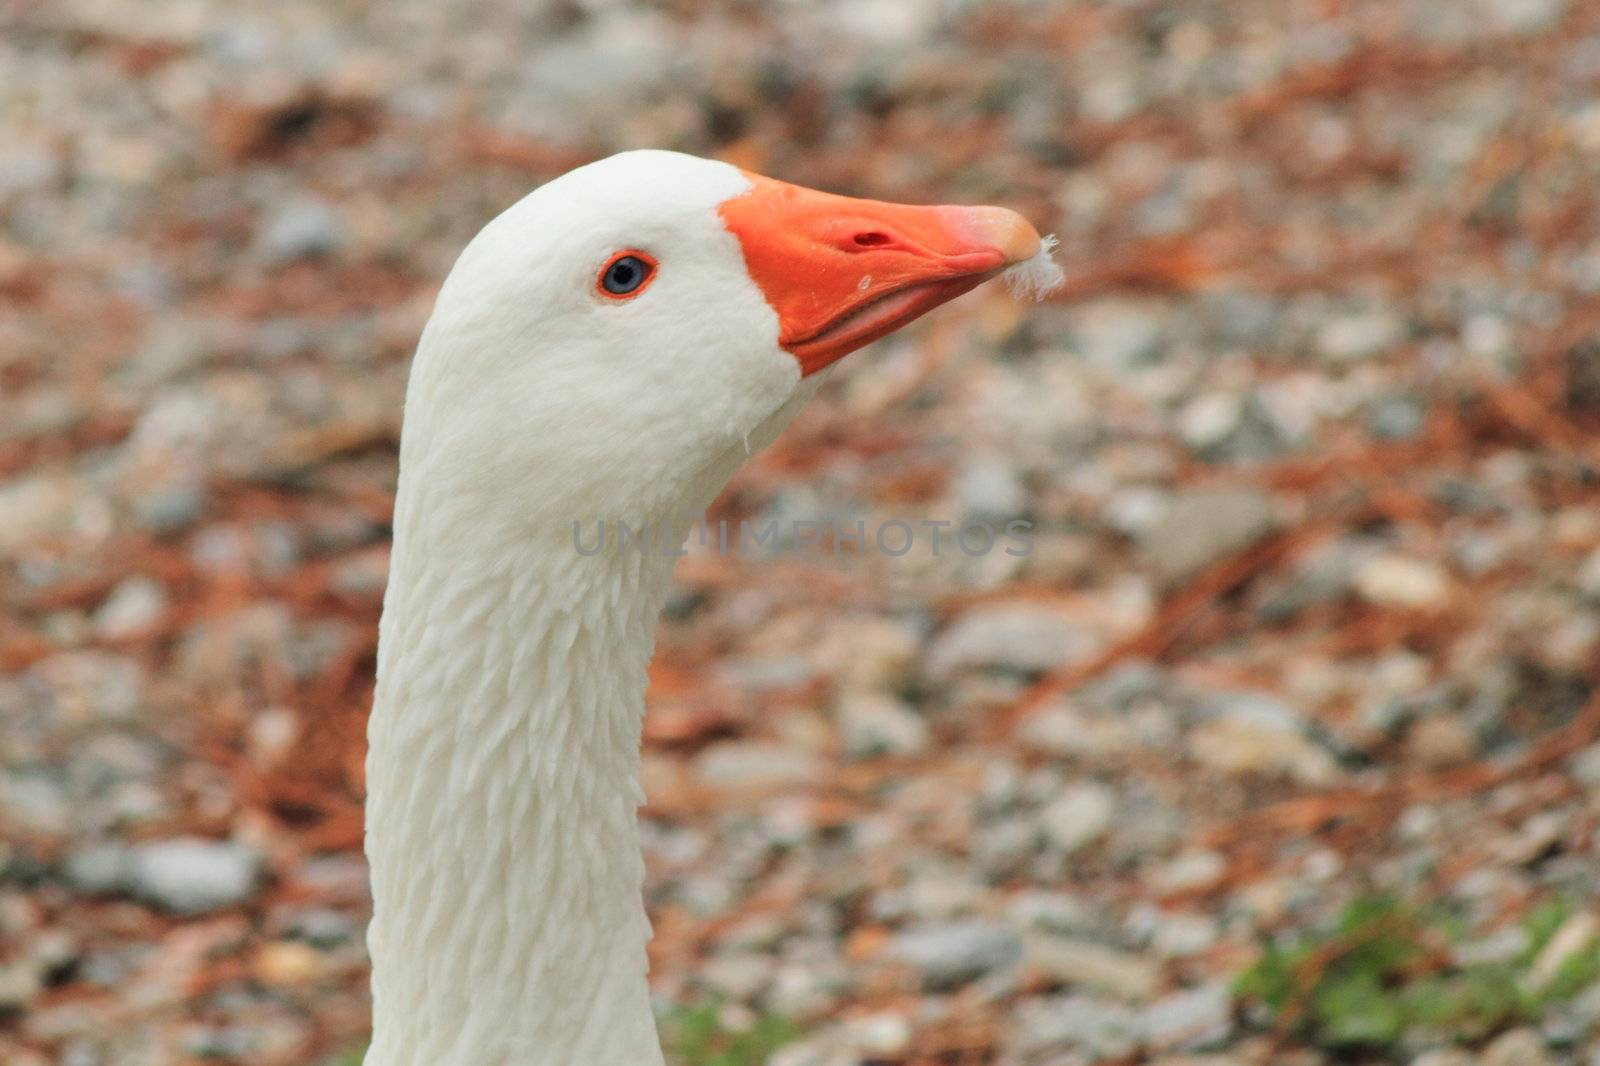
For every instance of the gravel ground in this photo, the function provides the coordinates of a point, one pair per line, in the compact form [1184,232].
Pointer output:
[1310,443]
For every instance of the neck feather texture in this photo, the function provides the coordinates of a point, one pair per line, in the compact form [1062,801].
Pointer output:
[502,774]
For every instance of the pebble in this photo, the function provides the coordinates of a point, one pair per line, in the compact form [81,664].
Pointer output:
[808,988]
[20,981]
[876,724]
[1519,1047]
[1116,335]
[170,509]
[881,1034]
[1579,933]
[990,488]
[1203,526]
[739,764]
[1193,871]
[1589,577]
[946,954]
[1078,817]
[98,869]
[1245,733]
[1073,731]
[1097,1027]
[1184,936]
[740,977]
[133,608]
[189,875]
[1443,1057]
[1016,637]
[1209,420]
[1402,581]
[300,229]
[1195,1018]
[1441,740]
[322,927]
[1396,418]
[1055,911]
[1105,969]
[1586,767]
[1523,17]
[33,507]
[1354,337]
[286,963]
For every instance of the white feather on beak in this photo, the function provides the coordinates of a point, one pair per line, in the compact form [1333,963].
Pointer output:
[1036,278]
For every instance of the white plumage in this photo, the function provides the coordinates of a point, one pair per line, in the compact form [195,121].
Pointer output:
[508,928]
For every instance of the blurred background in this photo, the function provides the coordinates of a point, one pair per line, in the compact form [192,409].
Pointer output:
[1280,747]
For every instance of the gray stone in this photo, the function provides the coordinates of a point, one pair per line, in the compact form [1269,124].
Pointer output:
[300,229]
[133,608]
[1523,18]
[35,506]
[1586,767]
[877,724]
[1079,816]
[1056,912]
[1195,1018]
[1519,1047]
[98,869]
[809,986]
[102,685]
[1098,1027]
[1184,936]
[189,875]
[1362,335]
[1396,418]
[1247,732]
[1083,962]
[951,953]
[1443,1057]
[1069,730]
[1019,637]
[765,673]
[1005,847]
[886,1033]
[740,977]
[754,764]
[323,927]
[169,509]
[1400,581]
[21,980]
[1577,934]
[36,799]
[1589,577]
[1210,419]
[1203,526]
[1119,335]
[1136,510]
[989,487]
[1192,871]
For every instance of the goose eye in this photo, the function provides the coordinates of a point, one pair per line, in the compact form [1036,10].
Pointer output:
[625,274]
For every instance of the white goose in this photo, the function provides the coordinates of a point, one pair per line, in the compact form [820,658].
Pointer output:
[610,348]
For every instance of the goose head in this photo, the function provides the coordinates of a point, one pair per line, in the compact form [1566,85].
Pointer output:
[615,343]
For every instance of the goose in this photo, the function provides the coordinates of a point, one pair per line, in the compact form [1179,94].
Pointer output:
[611,347]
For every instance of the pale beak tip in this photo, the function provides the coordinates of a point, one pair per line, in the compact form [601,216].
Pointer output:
[1004,230]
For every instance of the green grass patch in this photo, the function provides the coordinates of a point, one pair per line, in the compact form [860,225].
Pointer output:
[1386,967]
[697,1036]
[352,1057]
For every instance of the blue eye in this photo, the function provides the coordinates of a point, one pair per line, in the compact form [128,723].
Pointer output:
[625,274]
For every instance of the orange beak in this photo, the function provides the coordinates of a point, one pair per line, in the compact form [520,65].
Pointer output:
[842,272]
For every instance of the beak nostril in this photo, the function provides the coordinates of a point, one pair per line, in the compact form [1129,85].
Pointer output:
[871,239]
